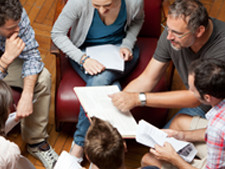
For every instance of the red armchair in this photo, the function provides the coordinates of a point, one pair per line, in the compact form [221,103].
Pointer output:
[66,103]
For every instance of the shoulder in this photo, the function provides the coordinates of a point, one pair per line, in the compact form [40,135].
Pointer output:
[9,150]
[218,27]
[217,124]
[135,3]
[77,4]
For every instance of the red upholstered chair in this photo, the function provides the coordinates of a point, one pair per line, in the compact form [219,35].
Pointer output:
[66,103]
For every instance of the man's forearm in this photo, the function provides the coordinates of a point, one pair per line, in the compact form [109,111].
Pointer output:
[29,84]
[172,99]
[195,135]
[149,78]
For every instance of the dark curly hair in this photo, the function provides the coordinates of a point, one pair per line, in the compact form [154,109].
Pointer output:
[209,77]
[10,9]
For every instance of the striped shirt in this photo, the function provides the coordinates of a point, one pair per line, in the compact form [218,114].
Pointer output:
[215,136]
[31,56]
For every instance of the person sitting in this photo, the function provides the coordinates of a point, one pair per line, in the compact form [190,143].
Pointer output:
[9,151]
[92,23]
[189,34]
[207,82]
[21,66]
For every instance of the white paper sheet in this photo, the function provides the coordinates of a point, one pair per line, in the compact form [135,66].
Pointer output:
[108,55]
[150,135]
[10,122]
[96,102]
[67,161]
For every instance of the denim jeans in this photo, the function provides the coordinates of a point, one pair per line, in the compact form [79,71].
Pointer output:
[196,111]
[107,77]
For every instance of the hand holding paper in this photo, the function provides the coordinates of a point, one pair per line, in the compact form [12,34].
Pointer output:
[151,136]
[108,55]
[11,122]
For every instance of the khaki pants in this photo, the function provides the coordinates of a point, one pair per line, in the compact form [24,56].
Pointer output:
[33,127]
[197,123]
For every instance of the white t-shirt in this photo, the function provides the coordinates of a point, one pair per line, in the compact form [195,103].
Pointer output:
[9,154]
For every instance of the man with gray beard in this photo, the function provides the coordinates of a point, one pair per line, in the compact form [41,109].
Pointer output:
[189,34]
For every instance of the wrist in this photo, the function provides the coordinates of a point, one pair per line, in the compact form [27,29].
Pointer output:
[83,60]
[142,98]
[3,66]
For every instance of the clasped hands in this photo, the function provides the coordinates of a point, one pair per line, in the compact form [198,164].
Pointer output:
[93,67]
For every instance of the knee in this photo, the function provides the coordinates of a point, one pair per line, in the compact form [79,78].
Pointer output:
[148,159]
[145,160]
[99,80]
[181,122]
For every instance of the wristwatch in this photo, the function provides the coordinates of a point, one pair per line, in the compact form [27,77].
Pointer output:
[142,98]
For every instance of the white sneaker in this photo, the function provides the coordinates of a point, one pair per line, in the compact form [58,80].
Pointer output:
[45,154]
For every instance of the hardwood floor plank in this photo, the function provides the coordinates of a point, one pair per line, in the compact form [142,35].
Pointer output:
[35,10]
[28,6]
[221,14]
[215,8]
[44,11]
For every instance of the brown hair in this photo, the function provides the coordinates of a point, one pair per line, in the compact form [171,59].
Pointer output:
[104,145]
[10,9]
[6,101]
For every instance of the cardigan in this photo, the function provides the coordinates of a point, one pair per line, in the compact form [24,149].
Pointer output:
[78,14]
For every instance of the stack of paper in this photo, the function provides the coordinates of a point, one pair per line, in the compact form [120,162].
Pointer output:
[150,135]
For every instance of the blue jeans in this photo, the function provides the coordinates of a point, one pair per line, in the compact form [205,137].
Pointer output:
[107,77]
[196,111]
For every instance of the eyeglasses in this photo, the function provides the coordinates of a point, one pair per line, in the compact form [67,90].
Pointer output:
[177,34]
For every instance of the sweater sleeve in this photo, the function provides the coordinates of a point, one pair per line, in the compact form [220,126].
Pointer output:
[136,15]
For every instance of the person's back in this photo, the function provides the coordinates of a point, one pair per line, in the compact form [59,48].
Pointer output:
[9,154]
[104,146]
[9,151]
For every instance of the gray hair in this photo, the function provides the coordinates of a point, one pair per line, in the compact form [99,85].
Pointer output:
[191,11]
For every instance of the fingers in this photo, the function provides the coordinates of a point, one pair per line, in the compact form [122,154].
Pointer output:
[121,101]
[93,67]
[14,36]
[13,47]
[126,54]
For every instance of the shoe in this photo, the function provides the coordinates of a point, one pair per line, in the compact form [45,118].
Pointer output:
[45,154]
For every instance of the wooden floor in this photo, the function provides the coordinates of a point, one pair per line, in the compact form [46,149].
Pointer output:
[41,14]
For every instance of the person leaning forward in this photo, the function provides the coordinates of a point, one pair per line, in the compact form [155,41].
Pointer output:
[189,34]
[21,66]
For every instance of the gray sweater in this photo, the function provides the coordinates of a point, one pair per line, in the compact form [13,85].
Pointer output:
[78,14]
